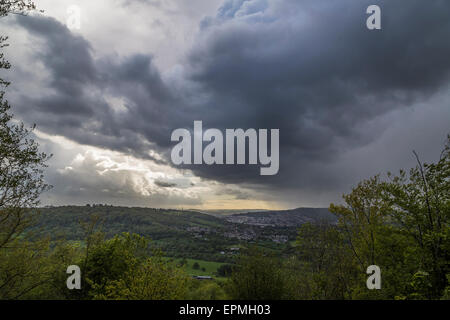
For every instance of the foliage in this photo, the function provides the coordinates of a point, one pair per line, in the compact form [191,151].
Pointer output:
[325,269]
[23,268]
[123,268]
[420,206]
[256,276]
[206,290]
[400,225]
[16,7]
[153,279]
[22,263]
[224,270]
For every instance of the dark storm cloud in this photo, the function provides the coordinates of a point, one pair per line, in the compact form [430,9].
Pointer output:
[313,69]
[77,108]
[310,68]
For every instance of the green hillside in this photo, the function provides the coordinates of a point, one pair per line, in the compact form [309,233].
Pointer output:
[182,233]
[178,233]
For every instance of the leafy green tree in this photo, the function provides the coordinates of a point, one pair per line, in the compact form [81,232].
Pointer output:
[21,163]
[126,267]
[361,219]
[183,262]
[420,206]
[21,177]
[325,268]
[62,255]
[373,238]
[22,267]
[154,279]
[256,276]
[206,290]
[111,260]
[225,270]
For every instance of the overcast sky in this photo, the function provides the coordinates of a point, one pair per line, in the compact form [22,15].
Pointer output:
[349,102]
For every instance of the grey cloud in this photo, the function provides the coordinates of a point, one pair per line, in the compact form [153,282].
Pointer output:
[317,73]
[78,109]
[165,184]
[310,68]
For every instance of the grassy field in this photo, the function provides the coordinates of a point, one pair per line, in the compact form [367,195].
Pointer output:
[206,268]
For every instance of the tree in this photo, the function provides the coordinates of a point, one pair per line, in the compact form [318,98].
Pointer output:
[325,268]
[154,279]
[224,270]
[15,7]
[401,225]
[256,276]
[373,238]
[21,176]
[420,205]
[206,290]
[362,219]
[11,7]
[21,163]
[366,228]
[21,183]
[23,268]
[120,268]
[111,260]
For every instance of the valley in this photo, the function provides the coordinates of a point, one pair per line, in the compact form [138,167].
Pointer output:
[184,234]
